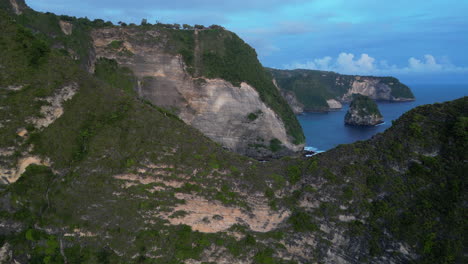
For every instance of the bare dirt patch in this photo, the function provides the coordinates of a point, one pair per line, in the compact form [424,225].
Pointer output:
[212,216]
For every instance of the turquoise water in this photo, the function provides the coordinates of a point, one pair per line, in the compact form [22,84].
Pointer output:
[324,131]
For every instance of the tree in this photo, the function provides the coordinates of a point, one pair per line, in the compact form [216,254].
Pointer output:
[216,27]
[144,22]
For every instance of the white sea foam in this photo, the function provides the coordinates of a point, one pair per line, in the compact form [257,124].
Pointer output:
[314,149]
[380,124]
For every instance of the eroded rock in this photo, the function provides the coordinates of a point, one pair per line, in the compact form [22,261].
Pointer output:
[212,216]
[54,110]
[16,7]
[66,27]
[334,104]
[217,108]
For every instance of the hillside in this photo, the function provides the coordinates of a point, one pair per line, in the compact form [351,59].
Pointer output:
[323,91]
[208,77]
[92,173]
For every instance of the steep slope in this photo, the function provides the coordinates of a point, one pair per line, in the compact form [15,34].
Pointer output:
[115,179]
[363,111]
[209,77]
[229,111]
[324,91]
[122,174]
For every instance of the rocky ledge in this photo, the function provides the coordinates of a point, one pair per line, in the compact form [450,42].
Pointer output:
[363,111]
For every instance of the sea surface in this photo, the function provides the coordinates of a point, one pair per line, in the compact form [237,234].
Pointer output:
[324,131]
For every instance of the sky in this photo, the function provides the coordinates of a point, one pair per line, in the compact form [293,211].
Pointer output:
[418,41]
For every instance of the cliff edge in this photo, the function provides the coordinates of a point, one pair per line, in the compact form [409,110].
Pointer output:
[325,91]
[209,77]
[183,70]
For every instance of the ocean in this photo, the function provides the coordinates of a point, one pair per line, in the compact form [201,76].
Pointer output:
[324,131]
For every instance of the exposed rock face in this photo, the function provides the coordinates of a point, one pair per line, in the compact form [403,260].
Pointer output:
[373,88]
[295,105]
[363,111]
[334,104]
[211,217]
[325,91]
[6,253]
[54,110]
[66,27]
[16,7]
[217,108]
[11,175]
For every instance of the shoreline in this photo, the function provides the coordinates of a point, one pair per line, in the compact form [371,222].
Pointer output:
[406,100]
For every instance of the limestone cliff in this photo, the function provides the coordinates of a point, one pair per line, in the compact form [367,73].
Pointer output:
[233,116]
[316,89]
[363,111]
[373,87]
[15,6]
[293,102]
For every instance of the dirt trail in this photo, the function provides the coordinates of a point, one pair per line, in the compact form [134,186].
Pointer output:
[197,54]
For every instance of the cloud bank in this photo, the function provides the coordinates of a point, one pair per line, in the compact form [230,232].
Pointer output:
[348,63]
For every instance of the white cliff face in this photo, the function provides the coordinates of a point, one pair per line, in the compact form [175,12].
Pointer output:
[221,110]
[16,7]
[290,97]
[66,27]
[370,87]
[334,104]
[214,106]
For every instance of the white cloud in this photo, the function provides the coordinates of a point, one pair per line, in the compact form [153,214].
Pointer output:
[348,63]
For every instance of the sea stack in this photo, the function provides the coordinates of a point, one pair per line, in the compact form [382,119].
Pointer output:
[363,111]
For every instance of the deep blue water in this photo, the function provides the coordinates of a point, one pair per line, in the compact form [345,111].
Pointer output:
[324,131]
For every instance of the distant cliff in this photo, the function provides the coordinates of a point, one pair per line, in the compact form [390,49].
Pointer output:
[325,91]
[363,111]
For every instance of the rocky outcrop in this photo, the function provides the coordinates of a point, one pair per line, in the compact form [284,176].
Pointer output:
[54,109]
[325,91]
[66,27]
[372,87]
[11,175]
[212,216]
[17,6]
[295,105]
[235,117]
[334,104]
[363,111]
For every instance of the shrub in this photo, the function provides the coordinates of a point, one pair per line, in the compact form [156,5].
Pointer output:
[302,222]
[275,145]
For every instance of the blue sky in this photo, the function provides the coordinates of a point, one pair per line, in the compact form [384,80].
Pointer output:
[417,41]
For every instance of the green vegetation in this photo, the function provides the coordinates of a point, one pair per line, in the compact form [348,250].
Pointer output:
[110,72]
[254,115]
[403,187]
[275,145]
[364,105]
[313,88]
[222,54]
[399,90]
[116,44]
[302,222]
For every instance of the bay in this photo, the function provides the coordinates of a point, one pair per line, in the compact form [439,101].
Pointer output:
[324,131]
